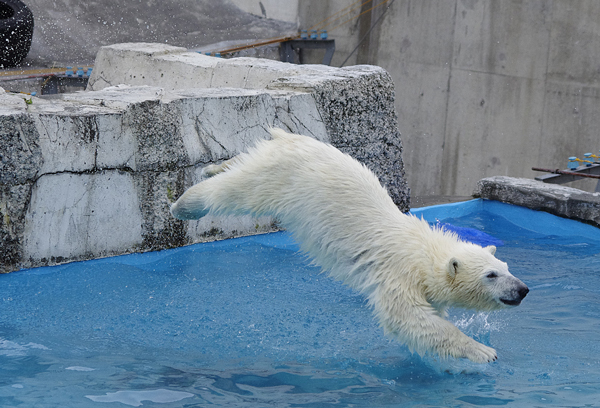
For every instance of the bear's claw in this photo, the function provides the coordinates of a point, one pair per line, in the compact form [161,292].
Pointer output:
[481,354]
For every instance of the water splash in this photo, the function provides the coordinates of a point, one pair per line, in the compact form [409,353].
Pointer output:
[135,398]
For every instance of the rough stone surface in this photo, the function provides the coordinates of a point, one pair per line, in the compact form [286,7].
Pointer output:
[176,68]
[355,104]
[20,151]
[370,135]
[558,200]
[73,215]
[93,174]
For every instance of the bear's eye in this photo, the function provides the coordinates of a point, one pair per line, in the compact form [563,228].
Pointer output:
[492,275]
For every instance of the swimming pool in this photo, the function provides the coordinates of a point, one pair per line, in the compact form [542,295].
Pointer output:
[248,322]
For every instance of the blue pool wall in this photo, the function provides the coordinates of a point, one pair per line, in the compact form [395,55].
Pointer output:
[535,221]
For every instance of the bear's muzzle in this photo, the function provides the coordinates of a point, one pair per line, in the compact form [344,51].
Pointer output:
[517,295]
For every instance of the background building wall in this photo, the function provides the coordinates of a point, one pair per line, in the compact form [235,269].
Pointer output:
[271,9]
[483,87]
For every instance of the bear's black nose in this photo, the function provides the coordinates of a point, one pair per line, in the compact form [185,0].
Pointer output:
[516,295]
[523,292]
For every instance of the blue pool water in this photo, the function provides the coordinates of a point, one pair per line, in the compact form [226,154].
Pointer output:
[249,323]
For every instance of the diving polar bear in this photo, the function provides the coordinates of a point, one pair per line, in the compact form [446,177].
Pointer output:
[342,217]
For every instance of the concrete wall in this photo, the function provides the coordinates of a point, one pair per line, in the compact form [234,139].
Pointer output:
[483,87]
[70,32]
[92,174]
[273,9]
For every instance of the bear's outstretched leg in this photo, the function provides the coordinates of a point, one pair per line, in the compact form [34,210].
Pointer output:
[192,204]
[231,187]
[443,338]
[421,328]
[195,202]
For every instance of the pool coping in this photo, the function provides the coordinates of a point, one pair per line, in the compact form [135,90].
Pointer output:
[566,202]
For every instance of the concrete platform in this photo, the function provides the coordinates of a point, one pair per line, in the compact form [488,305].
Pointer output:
[92,174]
[559,200]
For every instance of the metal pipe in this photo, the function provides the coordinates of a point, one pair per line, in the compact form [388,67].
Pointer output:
[567,173]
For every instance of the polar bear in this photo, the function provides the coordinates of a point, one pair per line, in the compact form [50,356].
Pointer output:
[343,218]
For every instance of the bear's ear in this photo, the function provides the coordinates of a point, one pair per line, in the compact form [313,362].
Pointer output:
[491,249]
[453,266]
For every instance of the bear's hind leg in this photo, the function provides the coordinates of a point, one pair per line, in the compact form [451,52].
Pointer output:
[191,205]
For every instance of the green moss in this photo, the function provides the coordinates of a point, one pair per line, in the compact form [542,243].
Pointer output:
[170,195]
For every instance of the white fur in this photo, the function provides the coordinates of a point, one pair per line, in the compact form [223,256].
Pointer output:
[342,217]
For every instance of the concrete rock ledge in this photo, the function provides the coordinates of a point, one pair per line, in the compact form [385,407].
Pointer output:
[354,104]
[92,174]
[558,200]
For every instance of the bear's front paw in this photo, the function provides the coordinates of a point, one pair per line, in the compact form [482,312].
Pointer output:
[479,353]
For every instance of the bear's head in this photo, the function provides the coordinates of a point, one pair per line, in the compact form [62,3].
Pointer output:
[476,279]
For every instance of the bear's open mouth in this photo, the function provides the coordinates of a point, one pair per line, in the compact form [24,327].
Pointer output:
[511,302]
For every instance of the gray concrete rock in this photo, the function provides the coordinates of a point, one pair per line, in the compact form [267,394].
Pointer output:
[74,216]
[361,121]
[93,174]
[356,104]
[558,200]
[20,151]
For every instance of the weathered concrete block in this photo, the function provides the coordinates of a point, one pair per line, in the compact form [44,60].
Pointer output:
[71,215]
[354,103]
[68,142]
[129,57]
[20,151]
[11,104]
[558,200]
[93,174]
[14,200]
[175,68]
[357,107]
